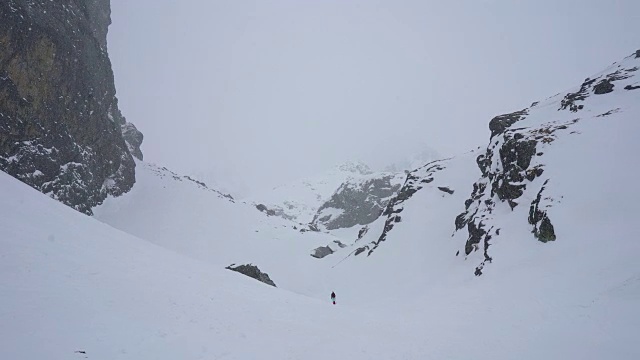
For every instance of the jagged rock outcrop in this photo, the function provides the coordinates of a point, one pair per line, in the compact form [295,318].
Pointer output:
[358,201]
[252,271]
[542,228]
[514,160]
[60,128]
[133,138]
[509,164]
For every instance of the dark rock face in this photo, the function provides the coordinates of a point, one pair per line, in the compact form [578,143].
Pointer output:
[508,166]
[133,138]
[542,228]
[252,271]
[500,123]
[603,87]
[99,13]
[60,128]
[263,208]
[357,203]
[321,252]
[513,162]
[363,231]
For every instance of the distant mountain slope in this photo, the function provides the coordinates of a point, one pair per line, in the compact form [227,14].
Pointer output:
[358,201]
[186,216]
[300,200]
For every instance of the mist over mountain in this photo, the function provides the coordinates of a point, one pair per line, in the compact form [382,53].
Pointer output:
[521,247]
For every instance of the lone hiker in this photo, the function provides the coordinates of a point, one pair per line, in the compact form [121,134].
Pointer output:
[333,297]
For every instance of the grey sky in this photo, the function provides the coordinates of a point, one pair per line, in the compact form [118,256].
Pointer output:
[269,91]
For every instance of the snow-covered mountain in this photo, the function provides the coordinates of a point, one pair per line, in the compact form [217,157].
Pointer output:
[358,201]
[300,201]
[73,287]
[524,249]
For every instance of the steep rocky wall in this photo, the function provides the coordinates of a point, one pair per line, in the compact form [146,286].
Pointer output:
[60,127]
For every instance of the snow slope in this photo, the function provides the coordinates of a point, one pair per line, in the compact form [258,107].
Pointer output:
[74,288]
[182,216]
[70,283]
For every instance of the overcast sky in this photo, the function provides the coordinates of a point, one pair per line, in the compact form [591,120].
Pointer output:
[257,91]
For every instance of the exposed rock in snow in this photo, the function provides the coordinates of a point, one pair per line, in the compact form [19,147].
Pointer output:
[513,161]
[252,271]
[321,252]
[358,201]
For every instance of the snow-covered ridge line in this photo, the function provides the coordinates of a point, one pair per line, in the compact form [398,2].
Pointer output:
[162,171]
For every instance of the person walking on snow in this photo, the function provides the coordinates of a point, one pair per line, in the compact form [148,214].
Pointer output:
[333,297]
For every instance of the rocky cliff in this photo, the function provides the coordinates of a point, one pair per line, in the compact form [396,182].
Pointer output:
[61,130]
[524,172]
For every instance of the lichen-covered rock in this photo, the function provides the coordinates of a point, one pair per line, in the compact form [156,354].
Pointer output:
[60,128]
[252,271]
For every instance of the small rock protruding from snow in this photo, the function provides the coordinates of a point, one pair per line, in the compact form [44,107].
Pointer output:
[252,271]
[321,252]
